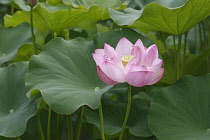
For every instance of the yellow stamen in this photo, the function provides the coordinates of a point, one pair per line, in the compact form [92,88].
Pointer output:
[126,59]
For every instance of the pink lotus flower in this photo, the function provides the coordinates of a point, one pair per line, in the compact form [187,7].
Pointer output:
[134,64]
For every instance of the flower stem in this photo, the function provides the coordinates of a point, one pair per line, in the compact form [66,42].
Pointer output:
[200,34]
[177,57]
[70,128]
[204,34]
[49,124]
[12,8]
[101,122]
[41,134]
[185,48]
[18,138]
[32,29]
[54,35]
[163,40]
[57,126]
[79,123]
[93,132]
[196,38]
[127,113]
[174,42]
[208,24]
[206,42]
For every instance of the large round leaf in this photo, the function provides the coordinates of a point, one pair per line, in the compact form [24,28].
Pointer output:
[11,40]
[15,107]
[65,73]
[174,21]
[129,15]
[182,111]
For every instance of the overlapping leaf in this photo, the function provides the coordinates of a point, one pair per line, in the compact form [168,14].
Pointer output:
[170,20]
[174,21]
[114,113]
[15,108]
[181,111]
[22,4]
[58,20]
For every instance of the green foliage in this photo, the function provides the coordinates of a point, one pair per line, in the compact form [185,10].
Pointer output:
[114,113]
[140,4]
[22,5]
[5,1]
[181,111]
[24,53]
[11,40]
[173,21]
[128,17]
[67,75]
[112,37]
[101,3]
[192,64]
[56,21]
[60,73]
[156,17]
[15,108]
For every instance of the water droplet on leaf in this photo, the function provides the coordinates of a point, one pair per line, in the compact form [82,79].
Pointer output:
[11,111]
[97,88]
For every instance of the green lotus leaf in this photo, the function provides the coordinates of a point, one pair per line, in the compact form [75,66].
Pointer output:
[170,3]
[140,4]
[24,53]
[127,17]
[51,8]
[5,1]
[15,108]
[147,94]
[22,4]
[55,2]
[114,113]
[173,21]
[65,74]
[11,40]
[56,20]
[101,3]
[181,111]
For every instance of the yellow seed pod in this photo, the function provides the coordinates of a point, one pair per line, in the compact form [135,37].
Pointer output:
[126,59]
